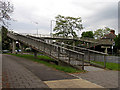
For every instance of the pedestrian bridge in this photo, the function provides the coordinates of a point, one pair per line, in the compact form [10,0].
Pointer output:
[76,57]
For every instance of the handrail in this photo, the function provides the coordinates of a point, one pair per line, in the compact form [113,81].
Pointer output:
[48,48]
[84,49]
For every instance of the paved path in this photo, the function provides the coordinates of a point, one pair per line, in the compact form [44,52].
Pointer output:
[22,73]
[17,76]
[0,71]
[105,78]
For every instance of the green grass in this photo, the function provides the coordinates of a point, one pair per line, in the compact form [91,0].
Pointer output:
[112,66]
[58,67]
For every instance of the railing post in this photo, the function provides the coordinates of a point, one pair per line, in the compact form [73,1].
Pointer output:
[21,47]
[82,62]
[89,56]
[44,47]
[94,57]
[58,52]
[69,57]
[50,48]
[104,61]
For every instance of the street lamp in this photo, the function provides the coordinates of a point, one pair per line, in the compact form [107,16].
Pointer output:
[51,27]
[36,27]
[36,23]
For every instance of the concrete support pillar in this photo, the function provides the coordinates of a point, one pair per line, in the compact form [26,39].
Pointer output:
[21,47]
[106,51]
[13,46]
[35,54]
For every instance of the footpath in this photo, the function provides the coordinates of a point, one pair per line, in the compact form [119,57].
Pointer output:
[22,73]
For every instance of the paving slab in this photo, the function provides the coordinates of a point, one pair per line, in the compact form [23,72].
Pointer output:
[92,68]
[14,75]
[105,78]
[72,83]
[45,73]
[0,71]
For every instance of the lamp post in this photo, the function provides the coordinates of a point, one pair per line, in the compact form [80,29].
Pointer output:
[51,27]
[36,23]
[36,27]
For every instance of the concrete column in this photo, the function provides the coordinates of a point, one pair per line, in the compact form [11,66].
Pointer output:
[21,47]
[106,50]
[13,46]
[35,54]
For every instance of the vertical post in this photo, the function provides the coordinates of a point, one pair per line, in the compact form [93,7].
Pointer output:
[69,57]
[13,46]
[35,54]
[73,45]
[21,47]
[89,45]
[50,48]
[104,61]
[89,56]
[44,47]
[94,56]
[58,52]
[82,62]
[106,50]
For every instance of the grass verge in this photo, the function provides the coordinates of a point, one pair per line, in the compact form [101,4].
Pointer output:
[111,66]
[58,67]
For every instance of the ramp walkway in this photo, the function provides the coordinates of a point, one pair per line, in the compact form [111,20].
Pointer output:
[61,54]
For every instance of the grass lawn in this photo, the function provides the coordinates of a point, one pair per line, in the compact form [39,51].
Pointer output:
[112,66]
[58,67]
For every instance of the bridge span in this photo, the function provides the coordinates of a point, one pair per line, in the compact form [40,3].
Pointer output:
[66,54]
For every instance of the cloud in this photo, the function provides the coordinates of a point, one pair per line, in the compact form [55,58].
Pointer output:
[94,14]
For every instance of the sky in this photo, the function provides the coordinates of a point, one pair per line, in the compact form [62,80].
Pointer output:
[32,15]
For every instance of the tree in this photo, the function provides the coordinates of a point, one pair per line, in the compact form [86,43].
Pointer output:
[101,32]
[117,41]
[67,26]
[5,10]
[5,40]
[88,34]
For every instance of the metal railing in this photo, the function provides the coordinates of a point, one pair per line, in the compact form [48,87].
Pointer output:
[91,56]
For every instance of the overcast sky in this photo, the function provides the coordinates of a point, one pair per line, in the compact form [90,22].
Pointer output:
[94,13]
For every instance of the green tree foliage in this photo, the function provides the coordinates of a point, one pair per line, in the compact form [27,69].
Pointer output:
[101,32]
[67,26]
[88,34]
[5,40]
[5,10]
[117,41]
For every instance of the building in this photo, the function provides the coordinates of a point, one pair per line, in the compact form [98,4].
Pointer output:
[109,38]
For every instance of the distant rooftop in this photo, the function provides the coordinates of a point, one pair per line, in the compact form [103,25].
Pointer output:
[111,35]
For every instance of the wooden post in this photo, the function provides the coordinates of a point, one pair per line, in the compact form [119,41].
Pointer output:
[35,54]
[94,56]
[73,45]
[50,48]
[104,61]
[13,46]
[82,62]
[58,52]
[89,56]
[69,57]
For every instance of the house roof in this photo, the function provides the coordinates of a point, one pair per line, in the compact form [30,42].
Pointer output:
[109,36]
